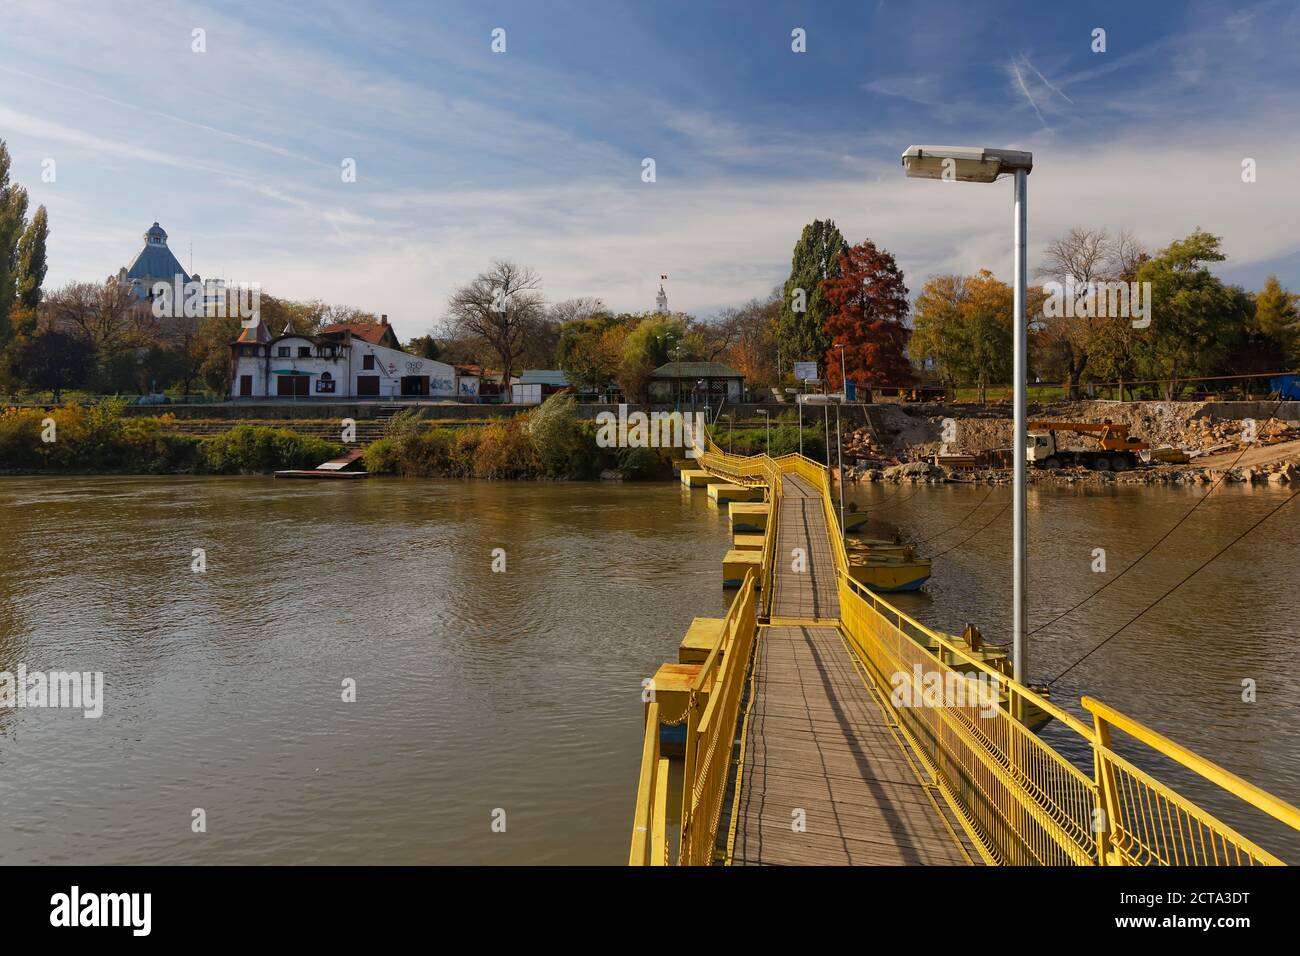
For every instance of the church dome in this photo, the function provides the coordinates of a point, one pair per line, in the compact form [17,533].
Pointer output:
[156,234]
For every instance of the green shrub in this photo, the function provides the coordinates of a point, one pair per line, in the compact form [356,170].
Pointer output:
[563,447]
[94,438]
[505,451]
[253,449]
[383,457]
[645,463]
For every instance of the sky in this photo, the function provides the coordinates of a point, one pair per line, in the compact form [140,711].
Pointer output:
[536,154]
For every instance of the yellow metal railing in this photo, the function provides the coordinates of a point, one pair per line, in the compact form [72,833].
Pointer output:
[1017,796]
[650,822]
[1024,802]
[1150,824]
[711,725]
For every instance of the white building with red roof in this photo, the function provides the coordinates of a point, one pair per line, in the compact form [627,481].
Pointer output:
[344,361]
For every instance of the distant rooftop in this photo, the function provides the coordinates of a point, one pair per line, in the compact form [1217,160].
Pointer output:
[374,333]
[543,376]
[155,260]
[696,370]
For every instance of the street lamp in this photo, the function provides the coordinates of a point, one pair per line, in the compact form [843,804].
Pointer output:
[844,377]
[677,376]
[767,442]
[974,164]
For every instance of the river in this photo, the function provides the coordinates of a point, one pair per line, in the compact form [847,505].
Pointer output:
[487,697]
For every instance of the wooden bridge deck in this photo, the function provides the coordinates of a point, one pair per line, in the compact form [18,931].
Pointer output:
[825,780]
[817,741]
[801,523]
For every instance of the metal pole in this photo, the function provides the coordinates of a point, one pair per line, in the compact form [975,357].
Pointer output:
[1019,571]
[827,410]
[800,405]
[844,377]
[839,455]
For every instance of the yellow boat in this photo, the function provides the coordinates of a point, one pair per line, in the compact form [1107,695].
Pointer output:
[880,546]
[887,572]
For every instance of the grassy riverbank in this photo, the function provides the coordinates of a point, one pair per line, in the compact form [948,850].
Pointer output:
[549,442]
[99,439]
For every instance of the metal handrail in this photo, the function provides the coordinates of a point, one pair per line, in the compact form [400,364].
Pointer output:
[711,727]
[1015,794]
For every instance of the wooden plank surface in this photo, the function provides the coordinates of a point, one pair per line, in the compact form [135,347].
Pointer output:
[817,742]
[812,594]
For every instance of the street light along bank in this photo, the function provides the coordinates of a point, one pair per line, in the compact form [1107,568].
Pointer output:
[978,164]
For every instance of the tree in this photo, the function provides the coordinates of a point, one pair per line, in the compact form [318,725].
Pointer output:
[1196,320]
[576,310]
[108,315]
[938,336]
[801,329]
[1278,318]
[56,360]
[964,324]
[503,308]
[753,349]
[215,336]
[645,348]
[868,303]
[22,266]
[13,217]
[32,266]
[1080,257]
[987,317]
[425,346]
[180,353]
[590,350]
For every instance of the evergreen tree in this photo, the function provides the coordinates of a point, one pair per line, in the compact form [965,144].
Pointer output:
[31,260]
[1277,317]
[13,217]
[801,328]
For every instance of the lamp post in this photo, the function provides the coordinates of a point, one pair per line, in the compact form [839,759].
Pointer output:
[839,453]
[677,377]
[844,378]
[975,164]
[839,456]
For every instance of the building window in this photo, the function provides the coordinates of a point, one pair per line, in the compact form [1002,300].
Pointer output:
[304,351]
[282,351]
[368,362]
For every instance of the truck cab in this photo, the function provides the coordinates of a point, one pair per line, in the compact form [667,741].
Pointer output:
[1039,447]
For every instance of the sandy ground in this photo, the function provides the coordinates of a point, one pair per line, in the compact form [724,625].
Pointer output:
[1266,454]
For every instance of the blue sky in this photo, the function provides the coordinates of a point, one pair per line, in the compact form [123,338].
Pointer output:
[464,155]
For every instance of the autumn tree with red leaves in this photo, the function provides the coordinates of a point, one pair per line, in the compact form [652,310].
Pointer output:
[868,303]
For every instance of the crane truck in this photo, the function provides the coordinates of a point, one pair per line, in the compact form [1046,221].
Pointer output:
[1116,450]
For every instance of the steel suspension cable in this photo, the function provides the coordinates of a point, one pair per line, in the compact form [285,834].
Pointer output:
[969,515]
[1199,501]
[1201,567]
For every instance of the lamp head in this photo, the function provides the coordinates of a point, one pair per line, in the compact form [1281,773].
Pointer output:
[967,164]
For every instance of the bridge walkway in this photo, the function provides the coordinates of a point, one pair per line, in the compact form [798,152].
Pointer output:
[825,778]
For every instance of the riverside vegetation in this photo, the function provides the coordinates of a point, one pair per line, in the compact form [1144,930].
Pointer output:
[550,442]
